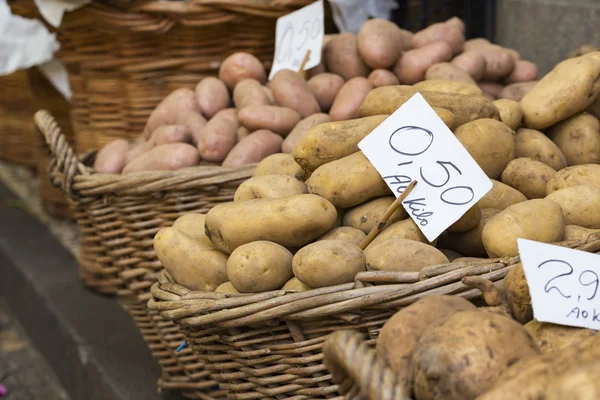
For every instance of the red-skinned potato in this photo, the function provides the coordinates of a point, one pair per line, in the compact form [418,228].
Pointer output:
[219,135]
[250,92]
[492,88]
[171,156]
[253,148]
[524,71]
[349,99]
[379,43]
[448,71]
[342,58]
[239,66]
[111,158]
[172,110]
[291,90]
[441,31]
[516,91]
[413,64]
[471,62]
[169,134]
[212,96]
[325,88]
[301,129]
[382,77]
[274,118]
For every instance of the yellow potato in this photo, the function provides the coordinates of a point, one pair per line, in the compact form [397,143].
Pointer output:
[510,112]
[446,116]
[580,205]
[279,163]
[448,86]
[528,176]
[301,129]
[405,229]
[469,243]
[585,174]
[534,144]
[226,288]
[269,187]
[501,196]
[345,233]
[468,221]
[365,216]
[578,138]
[295,285]
[402,255]
[574,232]
[193,225]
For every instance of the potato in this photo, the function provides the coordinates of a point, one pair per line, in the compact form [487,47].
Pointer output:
[193,264]
[399,335]
[382,77]
[584,174]
[524,71]
[492,88]
[249,92]
[579,383]
[345,233]
[347,182]
[550,337]
[528,176]
[169,134]
[111,158]
[328,263]
[403,229]
[259,266]
[241,133]
[136,149]
[464,356]
[594,108]
[253,148]
[449,72]
[219,136]
[402,255]
[387,99]
[499,62]
[534,144]
[279,164]
[501,196]
[446,116]
[539,219]
[349,99]
[580,205]
[489,142]
[277,119]
[413,64]
[448,86]
[472,62]
[510,113]
[240,66]
[516,292]
[574,232]
[295,285]
[226,288]
[291,222]
[192,224]
[469,242]
[333,140]
[379,43]
[173,110]
[516,91]
[443,32]
[170,156]
[365,216]
[325,88]
[578,138]
[301,129]
[212,96]
[269,187]
[291,90]
[468,221]
[342,58]
[565,91]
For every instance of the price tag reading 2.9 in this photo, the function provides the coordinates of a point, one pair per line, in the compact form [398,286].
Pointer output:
[415,144]
[564,284]
[296,34]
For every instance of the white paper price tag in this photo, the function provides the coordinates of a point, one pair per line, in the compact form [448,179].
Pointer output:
[414,144]
[297,33]
[563,284]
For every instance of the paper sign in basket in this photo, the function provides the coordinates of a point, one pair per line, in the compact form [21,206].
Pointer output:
[414,144]
[297,33]
[563,284]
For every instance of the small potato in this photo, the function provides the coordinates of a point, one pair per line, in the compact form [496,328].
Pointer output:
[469,243]
[499,62]
[528,176]
[580,205]
[539,219]
[269,187]
[301,129]
[212,96]
[325,88]
[489,142]
[446,116]
[382,77]
[172,110]
[574,232]
[365,216]
[240,66]
[295,285]
[516,91]
[345,233]
[585,174]
[111,158]
[468,221]
[379,43]
[349,99]
[501,196]
[277,119]
[404,229]
[279,164]
[534,144]
[402,255]
[472,62]
[328,263]
[448,86]
[443,32]
[254,148]
[169,134]
[226,288]
[259,266]
[342,58]
[249,92]
[578,138]
[219,135]
[492,88]
[291,90]
[448,71]
[171,156]
[516,293]
[524,71]
[413,64]
[510,113]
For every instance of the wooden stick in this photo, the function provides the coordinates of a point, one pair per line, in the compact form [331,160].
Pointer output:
[303,65]
[386,216]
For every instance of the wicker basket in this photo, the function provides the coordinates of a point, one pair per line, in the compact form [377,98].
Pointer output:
[269,345]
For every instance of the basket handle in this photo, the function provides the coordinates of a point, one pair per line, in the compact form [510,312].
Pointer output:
[63,165]
[355,367]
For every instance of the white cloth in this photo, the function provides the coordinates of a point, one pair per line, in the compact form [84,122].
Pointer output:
[349,15]
[53,10]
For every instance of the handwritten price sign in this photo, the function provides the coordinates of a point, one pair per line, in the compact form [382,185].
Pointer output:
[415,144]
[563,284]
[296,34]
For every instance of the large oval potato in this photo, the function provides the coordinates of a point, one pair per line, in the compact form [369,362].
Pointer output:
[501,196]
[499,62]
[166,157]
[342,58]
[379,43]
[269,187]
[192,224]
[212,96]
[279,163]
[111,159]
[219,135]
[584,174]
[325,88]
[403,229]
[365,216]
[240,66]
[580,205]
[578,138]
[169,134]
[291,221]
[539,219]
[277,119]
[440,32]
[528,176]
[345,233]
[489,142]
[448,86]
[301,129]
[472,62]
[328,263]
[347,182]
[254,148]
[534,144]
[349,99]
[402,255]
[449,72]
[249,92]
[469,243]
[510,112]
[413,64]
[291,90]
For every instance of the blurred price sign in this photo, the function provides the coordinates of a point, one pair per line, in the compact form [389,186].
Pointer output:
[414,144]
[296,34]
[563,284]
